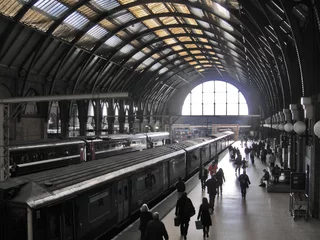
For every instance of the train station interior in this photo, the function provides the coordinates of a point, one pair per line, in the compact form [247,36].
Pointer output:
[160,89]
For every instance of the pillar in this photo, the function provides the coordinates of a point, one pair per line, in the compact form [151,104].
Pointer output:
[64,117]
[97,117]
[111,116]
[131,117]
[83,116]
[121,116]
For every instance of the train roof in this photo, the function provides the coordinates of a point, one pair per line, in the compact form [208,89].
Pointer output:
[49,186]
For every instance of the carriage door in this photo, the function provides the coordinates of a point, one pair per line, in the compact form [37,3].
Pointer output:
[68,220]
[123,199]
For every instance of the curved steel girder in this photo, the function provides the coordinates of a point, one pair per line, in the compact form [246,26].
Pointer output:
[138,20]
[84,66]
[287,7]
[137,3]
[286,89]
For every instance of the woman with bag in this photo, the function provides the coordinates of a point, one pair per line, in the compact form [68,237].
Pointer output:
[145,217]
[204,215]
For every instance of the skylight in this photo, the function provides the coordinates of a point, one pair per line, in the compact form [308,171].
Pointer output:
[76,20]
[51,7]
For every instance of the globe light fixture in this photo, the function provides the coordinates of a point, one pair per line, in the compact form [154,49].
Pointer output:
[316,129]
[299,127]
[288,127]
[281,127]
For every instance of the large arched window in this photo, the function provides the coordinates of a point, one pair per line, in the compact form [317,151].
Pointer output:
[215,98]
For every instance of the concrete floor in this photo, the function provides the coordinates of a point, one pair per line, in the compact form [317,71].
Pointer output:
[261,216]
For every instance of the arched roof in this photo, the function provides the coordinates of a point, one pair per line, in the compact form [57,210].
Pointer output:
[152,48]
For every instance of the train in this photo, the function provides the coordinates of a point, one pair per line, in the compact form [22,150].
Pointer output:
[87,200]
[53,153]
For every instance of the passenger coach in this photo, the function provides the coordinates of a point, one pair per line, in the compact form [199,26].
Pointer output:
[84,201]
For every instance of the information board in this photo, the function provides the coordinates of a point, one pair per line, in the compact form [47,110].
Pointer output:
[297,182]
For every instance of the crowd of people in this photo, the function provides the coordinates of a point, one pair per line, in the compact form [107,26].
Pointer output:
[212,179]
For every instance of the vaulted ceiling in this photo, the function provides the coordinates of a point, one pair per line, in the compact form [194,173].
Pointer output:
[153,48]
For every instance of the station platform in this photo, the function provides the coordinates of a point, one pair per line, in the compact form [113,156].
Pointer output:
[261,216]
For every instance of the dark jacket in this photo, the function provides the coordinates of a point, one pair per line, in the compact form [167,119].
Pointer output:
[145,217]
[212,185]
[203,173]
[204,214]
[182,208]
[220,177]
[180,186]
[156,231]
[244,180]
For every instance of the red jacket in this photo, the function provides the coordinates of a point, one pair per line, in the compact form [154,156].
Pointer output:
[213,169]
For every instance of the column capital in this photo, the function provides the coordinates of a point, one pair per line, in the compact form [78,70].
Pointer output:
[306,102]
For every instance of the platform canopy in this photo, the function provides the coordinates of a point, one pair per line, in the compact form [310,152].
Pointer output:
[153,48]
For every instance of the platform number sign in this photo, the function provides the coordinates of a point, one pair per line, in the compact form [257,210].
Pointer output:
[297,182]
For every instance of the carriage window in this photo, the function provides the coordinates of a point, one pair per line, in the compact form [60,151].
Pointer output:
[126,193]
[99,205]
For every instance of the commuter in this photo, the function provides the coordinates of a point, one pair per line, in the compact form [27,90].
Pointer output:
[212,189]
[213,168]
[220,180]
[203,175]
[244,164]
[180,186]
[276,172]
[265,177]
[238,163]
[156,230]
[14,171]
[272,160]
[252,156]
[184,210]
[145,217]
[204,214]
[244,183]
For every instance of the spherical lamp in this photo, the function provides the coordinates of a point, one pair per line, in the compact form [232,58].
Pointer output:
[275,126]
[288,127]
[281,127]
[316,129]
[299,127]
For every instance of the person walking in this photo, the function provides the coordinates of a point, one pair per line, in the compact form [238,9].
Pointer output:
[180,186]
[145,217]
[203,176]
[238,163]
[156,230]
[244,183]
[184,210]
[212,189]
[204,215]
[220,180]
[213,168]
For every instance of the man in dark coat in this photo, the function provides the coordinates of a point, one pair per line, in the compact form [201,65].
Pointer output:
[180,186]
[156,230]
[203,175]
[184,210]
[244,183]
[212,185]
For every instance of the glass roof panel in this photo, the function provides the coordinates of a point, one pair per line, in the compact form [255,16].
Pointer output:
[162,70]
[198,66]
[177,30]
[207,65]
[200,57]
[138,55]
[172,57]
[87,12]
[155,66]
[168,20]
[183,53]
[123,2]
[68,2]
[201,70]
[170,41]
[191,21]
[166,51]
[193,63]
[123,17]
[229,37]
[113,41]
[161,33]
[107,24]
[204,61]
[226,25]
[204,24]
[195,51]
[203,40]
[10,8]
[97,32]
[152,23]
[76,20]
[177,48]
[207,47]
[135,28]
[37,20]
[157,8]
[127,49]
[148,61]
[155,56]
[221,11]
[51,7]
[104,5]
[197,31]
[190,45]
[188,58]
[197,12]
[184,39]
[182,8]
[139,11]
[147,38]
[213,53]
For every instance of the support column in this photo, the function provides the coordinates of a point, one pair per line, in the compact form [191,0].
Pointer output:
[111,116]
[121,116]
[83,116]
[4,142]
[97,117]
[64,117]
[131,117]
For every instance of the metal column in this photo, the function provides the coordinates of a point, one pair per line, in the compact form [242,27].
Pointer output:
[4,142]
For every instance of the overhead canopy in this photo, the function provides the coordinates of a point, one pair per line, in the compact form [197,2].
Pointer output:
[153,48]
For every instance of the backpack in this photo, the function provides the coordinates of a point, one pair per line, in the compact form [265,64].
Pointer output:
[190,208]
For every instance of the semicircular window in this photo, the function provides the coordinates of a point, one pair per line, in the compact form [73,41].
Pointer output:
[215,98]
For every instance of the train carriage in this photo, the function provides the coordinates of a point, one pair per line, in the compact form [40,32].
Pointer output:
[86,200]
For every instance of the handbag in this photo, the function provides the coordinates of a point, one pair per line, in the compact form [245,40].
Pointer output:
[176,222]
[198,224]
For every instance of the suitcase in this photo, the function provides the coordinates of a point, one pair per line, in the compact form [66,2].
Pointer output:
[176,222]
[198,225]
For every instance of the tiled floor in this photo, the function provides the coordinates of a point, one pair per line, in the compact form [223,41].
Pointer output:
[262,216]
